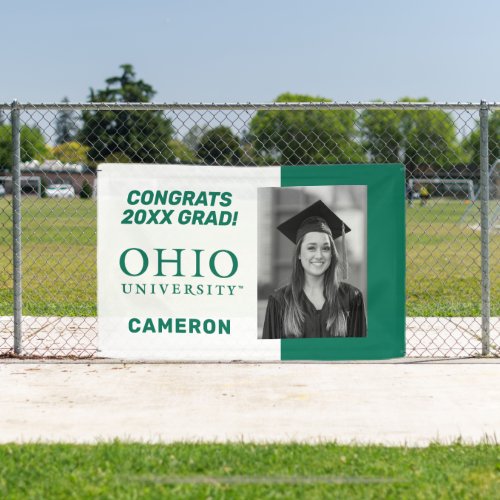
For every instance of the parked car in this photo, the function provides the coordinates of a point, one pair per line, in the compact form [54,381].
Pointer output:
[60,191]
[2,190]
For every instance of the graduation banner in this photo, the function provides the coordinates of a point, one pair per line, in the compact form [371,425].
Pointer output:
[251,263]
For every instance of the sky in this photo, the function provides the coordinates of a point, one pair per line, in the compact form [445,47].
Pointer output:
[228,51]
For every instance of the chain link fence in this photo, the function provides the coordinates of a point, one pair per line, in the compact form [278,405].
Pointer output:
[48,191]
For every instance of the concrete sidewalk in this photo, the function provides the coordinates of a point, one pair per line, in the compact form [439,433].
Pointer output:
[408,401]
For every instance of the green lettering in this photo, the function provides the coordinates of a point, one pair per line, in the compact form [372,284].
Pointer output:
[202,199]
[194,326]
[184,217]
[225,326]
[145,261]
[234,262]
[209,326]
[165,325]
[188,197]
[211,218]
[147,197]
[197,253]
[176,261]
[175,197]
[225,218]
[149,326]
[226,199]
[198,217]
[133,329]
[161,197]
[131,200]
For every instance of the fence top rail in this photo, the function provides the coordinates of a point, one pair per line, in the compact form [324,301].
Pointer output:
[293,106]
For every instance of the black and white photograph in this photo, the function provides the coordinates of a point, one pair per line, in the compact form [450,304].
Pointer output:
[312,262]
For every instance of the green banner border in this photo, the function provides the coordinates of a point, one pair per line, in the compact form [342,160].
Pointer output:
[386,262]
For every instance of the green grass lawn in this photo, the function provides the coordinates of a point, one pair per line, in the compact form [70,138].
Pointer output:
[59,259]
[118,470]
[443,261]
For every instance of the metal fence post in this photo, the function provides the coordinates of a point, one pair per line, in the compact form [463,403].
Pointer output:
[485,229]
[16,223]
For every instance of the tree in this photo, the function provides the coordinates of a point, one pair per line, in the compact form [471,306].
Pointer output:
[86,191]
[220,146]
[66,126]
[142,136]
[33,145]
[193,136]
[306,137]
[382,135]
[117,157]
[183,154]
[416,138]
[471,144]
[430,139]
[71,152]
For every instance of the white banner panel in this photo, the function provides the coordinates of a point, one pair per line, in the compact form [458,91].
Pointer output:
[177,266]
[251,263]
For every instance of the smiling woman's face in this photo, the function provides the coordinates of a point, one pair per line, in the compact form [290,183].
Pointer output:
[315,253]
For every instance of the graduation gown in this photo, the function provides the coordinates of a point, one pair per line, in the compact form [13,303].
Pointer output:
[315,320]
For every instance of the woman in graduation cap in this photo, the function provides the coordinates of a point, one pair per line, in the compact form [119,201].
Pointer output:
[315,303]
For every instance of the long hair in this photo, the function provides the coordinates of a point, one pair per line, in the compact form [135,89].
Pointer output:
[336,325]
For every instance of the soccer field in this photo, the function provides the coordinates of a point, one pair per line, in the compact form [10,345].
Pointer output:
[59,259]
[443,260]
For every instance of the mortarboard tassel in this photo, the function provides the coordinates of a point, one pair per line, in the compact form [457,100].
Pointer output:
[344,254]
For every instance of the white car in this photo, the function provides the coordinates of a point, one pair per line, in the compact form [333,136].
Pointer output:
[60,191]
[2,190]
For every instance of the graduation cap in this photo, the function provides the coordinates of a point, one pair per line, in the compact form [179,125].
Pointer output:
[316,218]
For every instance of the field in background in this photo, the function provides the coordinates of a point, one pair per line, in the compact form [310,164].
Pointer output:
[59,259]
[118,470]
[443,260]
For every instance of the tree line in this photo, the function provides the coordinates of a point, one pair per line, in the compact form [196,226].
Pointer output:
[280,137]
